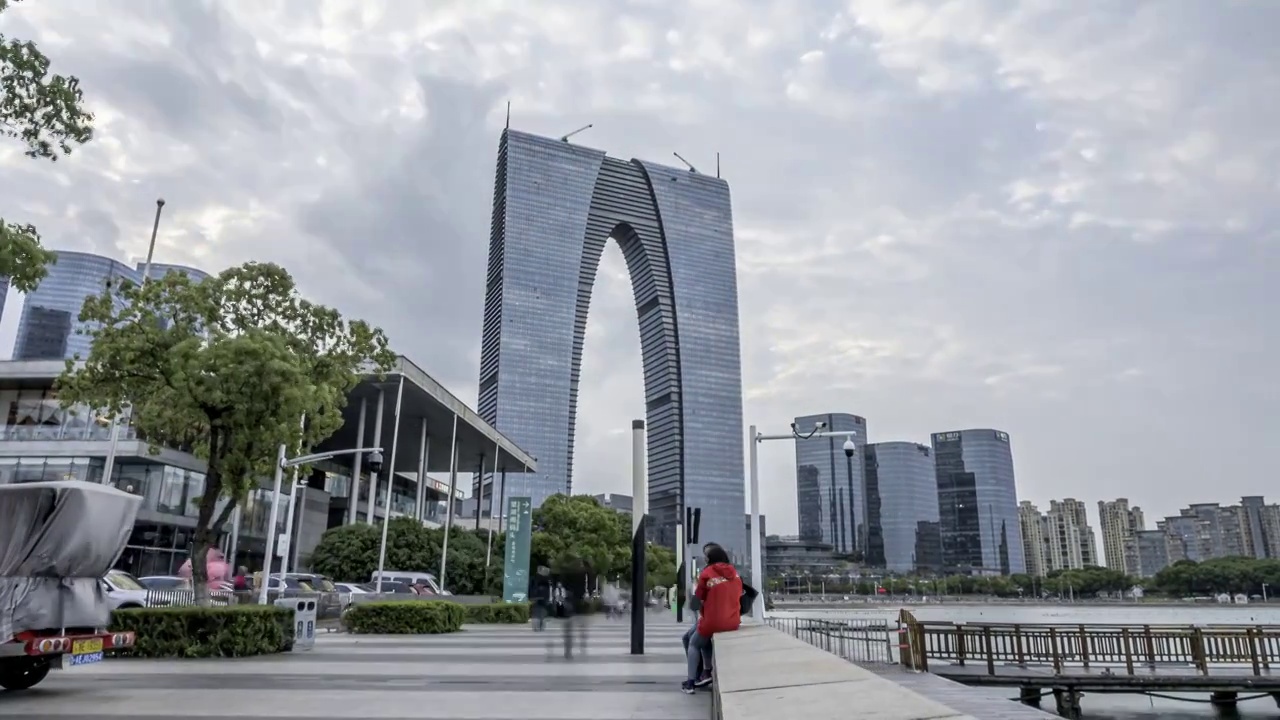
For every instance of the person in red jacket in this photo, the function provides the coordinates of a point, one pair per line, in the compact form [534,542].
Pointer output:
[719,591]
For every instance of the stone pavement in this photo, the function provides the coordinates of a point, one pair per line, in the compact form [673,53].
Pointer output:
[481,673]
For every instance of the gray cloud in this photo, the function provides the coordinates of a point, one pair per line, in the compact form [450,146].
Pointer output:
[1054,218]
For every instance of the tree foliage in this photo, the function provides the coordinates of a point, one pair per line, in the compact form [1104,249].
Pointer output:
[226,366]
[45,112]
[1220,575]
[349,553]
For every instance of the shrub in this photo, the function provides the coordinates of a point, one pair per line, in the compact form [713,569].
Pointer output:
[498,613]
[196,632]
[405,617]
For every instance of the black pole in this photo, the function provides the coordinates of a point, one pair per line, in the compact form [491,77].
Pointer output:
[639,504]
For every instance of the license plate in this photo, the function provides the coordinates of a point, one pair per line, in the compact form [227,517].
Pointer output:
[86,652]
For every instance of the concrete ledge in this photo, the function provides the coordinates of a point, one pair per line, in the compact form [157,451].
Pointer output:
[764,674]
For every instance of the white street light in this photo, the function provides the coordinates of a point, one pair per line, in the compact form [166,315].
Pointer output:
[819,431]
[375,464]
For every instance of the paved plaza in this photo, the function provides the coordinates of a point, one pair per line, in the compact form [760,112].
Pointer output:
[481,673]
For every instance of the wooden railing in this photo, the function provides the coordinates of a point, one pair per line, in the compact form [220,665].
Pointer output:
[1131,648]
[860,641]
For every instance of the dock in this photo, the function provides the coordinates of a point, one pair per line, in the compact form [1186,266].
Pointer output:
[1065,661]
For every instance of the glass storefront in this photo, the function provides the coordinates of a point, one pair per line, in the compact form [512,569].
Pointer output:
[35,414]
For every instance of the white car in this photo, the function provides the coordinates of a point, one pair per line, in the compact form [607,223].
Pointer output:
[124,591]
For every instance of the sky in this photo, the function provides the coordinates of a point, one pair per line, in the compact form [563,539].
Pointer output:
[1054,218]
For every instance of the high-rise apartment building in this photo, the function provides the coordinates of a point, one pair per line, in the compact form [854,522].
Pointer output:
[1151,550]
[49,328]
[555,206]
[829,484]
[1034,545]
[978,502]
[1204,531]
[903,532]
[1070,540]
[1119,523]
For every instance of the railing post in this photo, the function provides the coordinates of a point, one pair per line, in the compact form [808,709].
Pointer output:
[1128,651]
[986,647]
[1253,650]
[960,644]
[1084,647]
[1017,645]
[1151,646]
[1053,648]
[1197,651]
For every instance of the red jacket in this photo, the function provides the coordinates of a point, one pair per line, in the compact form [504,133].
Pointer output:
[720,590]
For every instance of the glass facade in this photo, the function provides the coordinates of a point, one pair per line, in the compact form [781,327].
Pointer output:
[830,486]
[555,207]
[49,328]
[34,414]
[978,502]
[903,530]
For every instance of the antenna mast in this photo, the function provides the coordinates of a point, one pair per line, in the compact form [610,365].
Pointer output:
[692,169]
[717,165]
[508,114]
[565,138]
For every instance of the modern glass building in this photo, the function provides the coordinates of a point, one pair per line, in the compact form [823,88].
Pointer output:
[978,502]
[903,532]
[555,206]
[49,328]
[829,485]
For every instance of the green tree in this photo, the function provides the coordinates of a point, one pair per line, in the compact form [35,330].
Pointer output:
[349,553]
[576,534]
[226,366]
[45,113]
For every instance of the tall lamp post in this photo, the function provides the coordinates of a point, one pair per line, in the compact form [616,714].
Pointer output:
[108,467]
[819,431]
[283,463]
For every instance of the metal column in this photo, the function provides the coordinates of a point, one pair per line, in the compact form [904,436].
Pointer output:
[378,442]
[640,505]
[391,479]
[353,489]
[424,449]
[448,515]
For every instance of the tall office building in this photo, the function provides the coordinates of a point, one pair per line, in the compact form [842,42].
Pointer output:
[978,502]
[1034,545]
[1070,540]
[4,293]
[903,533]
[50,328]
[1120,523]
[829,484]
[555,205]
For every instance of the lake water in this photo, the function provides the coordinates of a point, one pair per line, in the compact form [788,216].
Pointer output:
[1095,707]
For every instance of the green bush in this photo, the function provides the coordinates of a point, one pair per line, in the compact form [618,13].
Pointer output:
[498,613]
[196,632]
[405,617]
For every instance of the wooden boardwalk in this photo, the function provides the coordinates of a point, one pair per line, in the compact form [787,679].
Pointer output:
[1068,660]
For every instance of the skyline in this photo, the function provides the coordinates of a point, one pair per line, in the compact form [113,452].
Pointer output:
[1068,226]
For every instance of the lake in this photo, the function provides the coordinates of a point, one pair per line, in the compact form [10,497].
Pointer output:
[1095,707]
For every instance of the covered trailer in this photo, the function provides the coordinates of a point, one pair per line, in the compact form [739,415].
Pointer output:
[57,540]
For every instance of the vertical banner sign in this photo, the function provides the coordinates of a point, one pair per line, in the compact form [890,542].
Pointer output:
[515,567]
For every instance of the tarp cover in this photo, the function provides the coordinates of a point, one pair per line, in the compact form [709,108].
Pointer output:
[57,540]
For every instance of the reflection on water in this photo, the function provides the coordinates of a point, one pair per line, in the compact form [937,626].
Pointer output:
[1096,706]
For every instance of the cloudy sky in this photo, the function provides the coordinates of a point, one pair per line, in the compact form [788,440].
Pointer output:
[1053,218]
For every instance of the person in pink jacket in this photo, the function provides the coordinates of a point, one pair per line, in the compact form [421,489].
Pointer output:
[219,570]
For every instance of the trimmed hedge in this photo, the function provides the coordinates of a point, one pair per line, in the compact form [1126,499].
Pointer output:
[196,632]
[498,613]
[405,617]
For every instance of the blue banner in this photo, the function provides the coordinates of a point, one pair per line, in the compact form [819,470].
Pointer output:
[515,566]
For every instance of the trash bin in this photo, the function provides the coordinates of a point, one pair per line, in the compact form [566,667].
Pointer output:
[304,621]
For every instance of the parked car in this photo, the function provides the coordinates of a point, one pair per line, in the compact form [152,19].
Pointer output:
[163,582]
[124,591]
[426,580]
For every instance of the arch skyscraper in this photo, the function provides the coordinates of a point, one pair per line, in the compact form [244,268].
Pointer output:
[555,205]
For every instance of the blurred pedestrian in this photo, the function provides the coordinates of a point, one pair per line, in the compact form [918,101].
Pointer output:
[540,597]
[612,599]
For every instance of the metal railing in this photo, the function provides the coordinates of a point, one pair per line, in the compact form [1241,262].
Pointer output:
[1128,649]
[185,598]
[859,641]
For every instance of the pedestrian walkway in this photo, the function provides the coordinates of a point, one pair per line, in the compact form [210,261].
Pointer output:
[481,673]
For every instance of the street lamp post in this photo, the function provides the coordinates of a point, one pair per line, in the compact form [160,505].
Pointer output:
[108,467]
[819,431]
[282,463]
